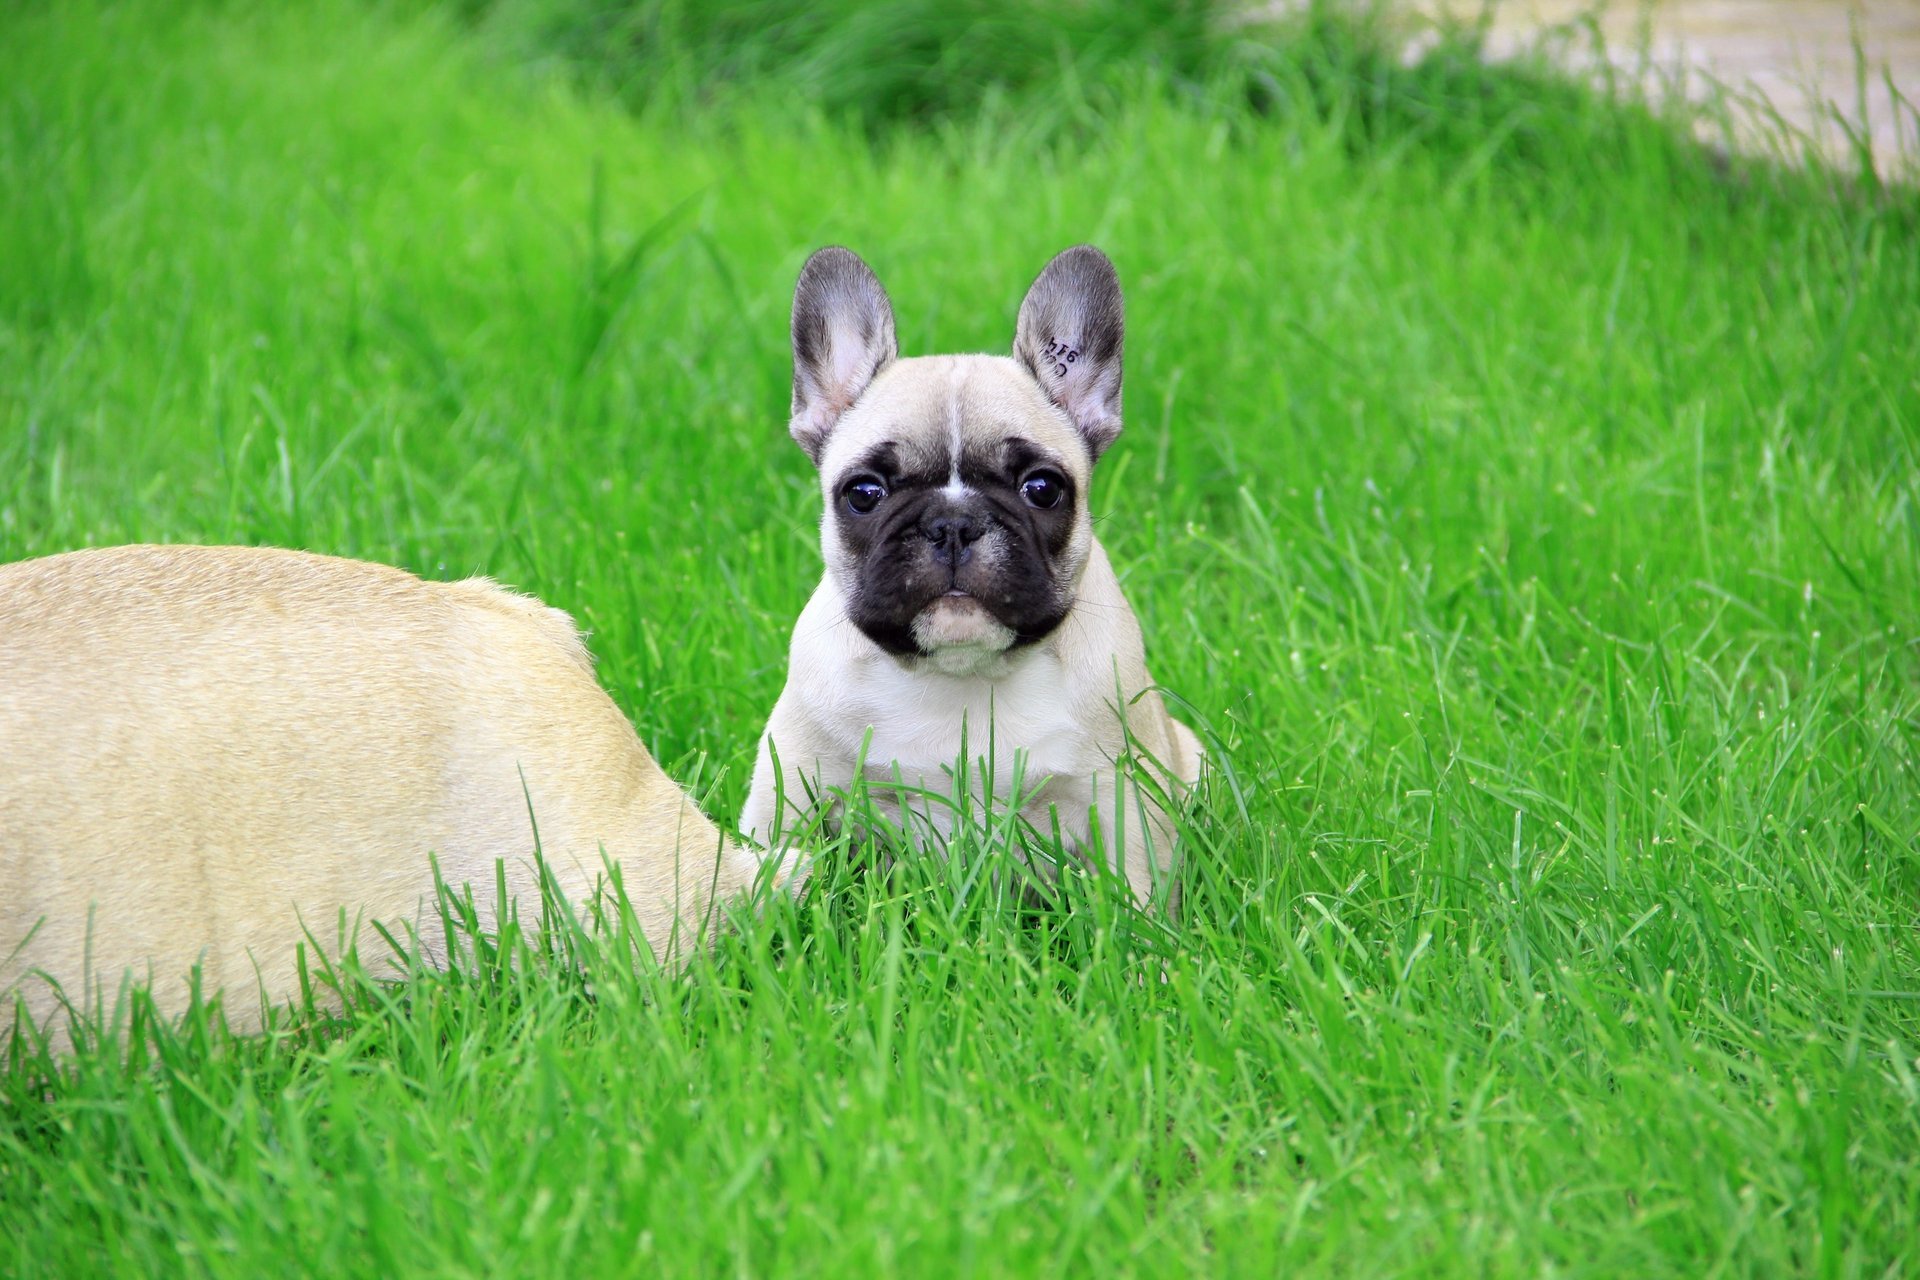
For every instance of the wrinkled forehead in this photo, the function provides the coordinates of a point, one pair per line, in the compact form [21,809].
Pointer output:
[933,415]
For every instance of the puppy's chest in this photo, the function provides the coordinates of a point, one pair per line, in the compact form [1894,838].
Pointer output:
[1019,732]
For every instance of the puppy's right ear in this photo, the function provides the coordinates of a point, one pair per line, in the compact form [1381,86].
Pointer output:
[842,336]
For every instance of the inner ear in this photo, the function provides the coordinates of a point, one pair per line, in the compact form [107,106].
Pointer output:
[843,335]
[1069,337]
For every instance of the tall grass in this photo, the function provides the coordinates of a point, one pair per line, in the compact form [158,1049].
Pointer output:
[1526,506]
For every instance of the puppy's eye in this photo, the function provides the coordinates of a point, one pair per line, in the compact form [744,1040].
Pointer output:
[863,494]
[1043,489]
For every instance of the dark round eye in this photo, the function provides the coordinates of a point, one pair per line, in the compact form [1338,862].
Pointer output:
[1043,489]
[863,495]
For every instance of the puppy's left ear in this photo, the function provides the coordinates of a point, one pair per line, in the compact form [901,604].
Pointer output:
[842,336]
[1069,337]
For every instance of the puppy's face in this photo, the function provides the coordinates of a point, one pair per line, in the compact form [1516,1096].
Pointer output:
[955,524]
[955,512]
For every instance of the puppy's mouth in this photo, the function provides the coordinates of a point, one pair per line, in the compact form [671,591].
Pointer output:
[957,619]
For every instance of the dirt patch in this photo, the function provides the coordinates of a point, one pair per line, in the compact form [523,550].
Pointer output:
[1836,71]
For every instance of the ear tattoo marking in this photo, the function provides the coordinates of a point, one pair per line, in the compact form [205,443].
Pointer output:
[1061,354]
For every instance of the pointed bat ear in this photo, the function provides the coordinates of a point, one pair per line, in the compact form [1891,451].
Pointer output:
[842,336]
[1069,336]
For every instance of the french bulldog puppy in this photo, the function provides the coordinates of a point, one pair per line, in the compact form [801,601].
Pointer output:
[967,608]
[207,754]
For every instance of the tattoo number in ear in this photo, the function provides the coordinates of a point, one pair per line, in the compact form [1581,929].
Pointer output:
[1061,354]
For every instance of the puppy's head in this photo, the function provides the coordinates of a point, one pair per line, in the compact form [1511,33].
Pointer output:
[956,522]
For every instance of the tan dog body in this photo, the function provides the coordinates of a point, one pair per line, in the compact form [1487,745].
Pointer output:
[967,613]
[207,752]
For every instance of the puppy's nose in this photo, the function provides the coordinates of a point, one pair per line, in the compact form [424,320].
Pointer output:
[953,537]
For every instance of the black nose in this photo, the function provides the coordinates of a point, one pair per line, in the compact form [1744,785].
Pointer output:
[953,537]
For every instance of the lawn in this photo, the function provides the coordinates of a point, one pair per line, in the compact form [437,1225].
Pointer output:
[1524,502]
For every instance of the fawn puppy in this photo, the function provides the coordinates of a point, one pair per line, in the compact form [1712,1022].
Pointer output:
[966,604]
[208,752]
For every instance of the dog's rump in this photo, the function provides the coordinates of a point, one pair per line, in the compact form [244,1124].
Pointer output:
[207,754]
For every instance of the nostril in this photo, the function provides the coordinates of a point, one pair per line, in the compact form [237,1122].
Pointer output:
[951,538]
[958,529]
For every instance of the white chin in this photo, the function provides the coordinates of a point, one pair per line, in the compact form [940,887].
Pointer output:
[960,622]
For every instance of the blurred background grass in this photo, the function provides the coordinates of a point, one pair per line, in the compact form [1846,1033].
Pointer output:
[917,62]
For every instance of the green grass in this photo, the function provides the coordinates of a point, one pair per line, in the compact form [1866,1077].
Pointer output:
[910,61]
[1527,506]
